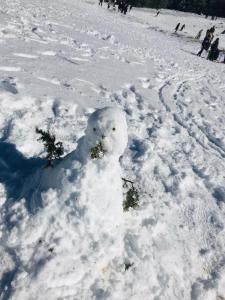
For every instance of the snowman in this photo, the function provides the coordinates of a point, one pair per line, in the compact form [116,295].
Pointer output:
[99,186]
[98,152]
[93,168]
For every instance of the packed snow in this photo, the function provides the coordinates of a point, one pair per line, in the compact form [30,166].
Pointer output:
[167,20]
[92,76]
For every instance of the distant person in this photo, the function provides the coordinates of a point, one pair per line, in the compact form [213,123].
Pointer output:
[214,51]
[100,2]
[177,27]
[224,59]
[207,41]
[212,29]
[182,28]
[157,13]
[198,36]
[125,9]
[119,6]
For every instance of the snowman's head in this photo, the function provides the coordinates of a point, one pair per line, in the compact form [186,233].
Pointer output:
[108,127]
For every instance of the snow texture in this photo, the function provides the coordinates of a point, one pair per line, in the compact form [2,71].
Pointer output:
[80,71]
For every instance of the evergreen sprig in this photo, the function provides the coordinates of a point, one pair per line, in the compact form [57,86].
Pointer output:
[98,151]
[132,196]
[54,150]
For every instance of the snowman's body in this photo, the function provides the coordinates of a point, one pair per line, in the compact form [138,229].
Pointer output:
[101,182]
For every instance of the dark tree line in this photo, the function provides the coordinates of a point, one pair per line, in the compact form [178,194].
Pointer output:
[208,7]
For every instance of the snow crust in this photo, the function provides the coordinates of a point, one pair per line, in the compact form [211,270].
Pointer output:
[63,233]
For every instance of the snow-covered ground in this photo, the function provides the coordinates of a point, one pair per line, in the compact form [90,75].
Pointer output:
[60,61]
[168,19]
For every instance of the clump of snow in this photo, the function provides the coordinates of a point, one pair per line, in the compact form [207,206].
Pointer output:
[2,194]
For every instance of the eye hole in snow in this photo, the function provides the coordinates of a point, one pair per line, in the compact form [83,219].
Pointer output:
[114,129]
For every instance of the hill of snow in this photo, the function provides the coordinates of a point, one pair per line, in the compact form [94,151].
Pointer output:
[63,234]
[168,19]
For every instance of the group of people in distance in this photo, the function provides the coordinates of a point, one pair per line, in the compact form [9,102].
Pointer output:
[208,45]
[123,5]
[211,47]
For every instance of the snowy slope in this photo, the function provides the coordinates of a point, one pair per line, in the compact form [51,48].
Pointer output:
[59,62]
[168,19]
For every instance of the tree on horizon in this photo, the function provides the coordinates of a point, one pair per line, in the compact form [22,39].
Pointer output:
[209,7]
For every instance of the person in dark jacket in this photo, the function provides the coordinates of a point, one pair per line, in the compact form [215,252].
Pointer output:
[157,13]
[199,34]
[214,51]
[212,29]
[207,41]
[177,27]
[100,2]
[182,28]
[125,8]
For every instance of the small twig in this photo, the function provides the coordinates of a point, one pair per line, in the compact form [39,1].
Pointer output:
[128,181]
[128,265]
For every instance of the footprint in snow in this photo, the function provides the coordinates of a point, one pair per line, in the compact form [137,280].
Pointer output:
[87,54]
[145,82]
[8,85]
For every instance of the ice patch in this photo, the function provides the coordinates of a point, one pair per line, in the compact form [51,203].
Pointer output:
[47,53]
[79,59]
[10,69]
[53,81]
[25,55]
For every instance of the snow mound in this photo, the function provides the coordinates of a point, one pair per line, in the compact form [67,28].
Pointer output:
[74,237]
[63,234]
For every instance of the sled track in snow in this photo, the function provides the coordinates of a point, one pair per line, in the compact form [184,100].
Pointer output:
[212,143]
